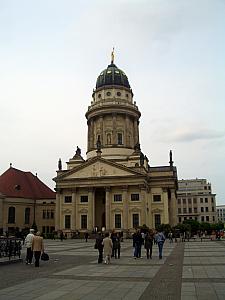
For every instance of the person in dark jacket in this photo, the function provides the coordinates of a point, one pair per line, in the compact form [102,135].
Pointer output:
[116,245]
[137,243]
[99,246]
[149,238]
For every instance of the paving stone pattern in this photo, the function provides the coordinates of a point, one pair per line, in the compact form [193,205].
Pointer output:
[190,270]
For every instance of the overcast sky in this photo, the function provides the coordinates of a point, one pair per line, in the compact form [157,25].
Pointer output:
[172,51]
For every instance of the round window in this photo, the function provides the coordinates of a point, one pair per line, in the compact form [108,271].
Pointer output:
[118,94]
[108,94]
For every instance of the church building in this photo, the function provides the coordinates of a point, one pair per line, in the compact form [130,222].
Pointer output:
[115,187]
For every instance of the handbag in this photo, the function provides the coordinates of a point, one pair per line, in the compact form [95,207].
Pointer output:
[44,256]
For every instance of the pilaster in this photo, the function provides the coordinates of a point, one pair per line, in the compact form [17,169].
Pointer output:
[125,208]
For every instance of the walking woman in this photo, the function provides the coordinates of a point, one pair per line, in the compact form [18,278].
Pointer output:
[107,244]
[148,243]
[37,247]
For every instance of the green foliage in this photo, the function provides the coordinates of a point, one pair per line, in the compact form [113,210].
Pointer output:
[166,228]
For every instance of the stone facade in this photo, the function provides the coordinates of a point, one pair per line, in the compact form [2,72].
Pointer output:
[23,200]
[196,201]
[115,187]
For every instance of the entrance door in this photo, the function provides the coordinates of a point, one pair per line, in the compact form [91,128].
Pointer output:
[100,208]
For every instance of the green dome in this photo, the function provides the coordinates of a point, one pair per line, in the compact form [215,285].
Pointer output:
[112,76]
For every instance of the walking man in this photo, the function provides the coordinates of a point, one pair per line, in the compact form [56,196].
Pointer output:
[28,245]
[160,239]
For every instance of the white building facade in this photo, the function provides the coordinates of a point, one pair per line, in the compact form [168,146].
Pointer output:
[196,201]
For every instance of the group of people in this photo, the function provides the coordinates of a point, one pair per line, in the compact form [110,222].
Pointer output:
[109,245]
[35,246]
[147,240]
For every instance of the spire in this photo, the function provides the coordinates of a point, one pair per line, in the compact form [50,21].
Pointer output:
[112,56]
[60,165]
[171,160]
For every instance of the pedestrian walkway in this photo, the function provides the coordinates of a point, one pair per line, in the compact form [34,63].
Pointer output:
[191,270]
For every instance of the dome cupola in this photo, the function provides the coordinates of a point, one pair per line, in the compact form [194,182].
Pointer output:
[112,76]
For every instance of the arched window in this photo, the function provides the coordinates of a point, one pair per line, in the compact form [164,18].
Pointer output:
[11,215]
[119,138]
[27,216]
[109,139]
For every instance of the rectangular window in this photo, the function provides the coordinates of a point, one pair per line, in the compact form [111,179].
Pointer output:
[68,199]
[206,200]
[178,200]
[157,220]
[202,209]
[156,198]
[134,197]
[212,200]
[43,214]
[43,229]
[213,208]
[190,210]
[48,214]
[117,197]
[117,221]
[83,199]
[202,218]
[179,210]
[179,219]
[213,218]
[207,218]
[189,200]
[195,209]
[206,209]
[67,221]
[195,200]
[201,200]
[83,221]
[184,201]
[27,215]
[135,220]
[52,214]
[119,139]
[184,210]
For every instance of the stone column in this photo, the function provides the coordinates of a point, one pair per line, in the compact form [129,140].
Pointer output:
[114,137]
[57,212]
[90,209]
[165,207]
[125,208]
[143,206]
[126,138]
[73,221]
[77,220]
[107,208]
[173,208]
[135,132]
[91,134]
[61,219]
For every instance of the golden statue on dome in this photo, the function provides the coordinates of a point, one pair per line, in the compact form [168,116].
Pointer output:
[112,56]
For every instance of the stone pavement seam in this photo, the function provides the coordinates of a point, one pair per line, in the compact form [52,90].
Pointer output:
[166,284]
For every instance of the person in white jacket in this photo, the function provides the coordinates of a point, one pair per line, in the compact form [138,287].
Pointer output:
[28,245]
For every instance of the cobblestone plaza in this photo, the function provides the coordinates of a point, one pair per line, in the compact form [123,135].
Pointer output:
[190,270]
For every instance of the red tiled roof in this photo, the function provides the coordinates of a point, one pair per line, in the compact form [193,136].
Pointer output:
[19,184]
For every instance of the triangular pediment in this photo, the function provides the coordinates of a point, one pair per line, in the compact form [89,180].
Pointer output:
[99,168]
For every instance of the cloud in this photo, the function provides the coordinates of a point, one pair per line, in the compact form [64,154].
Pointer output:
[195,134]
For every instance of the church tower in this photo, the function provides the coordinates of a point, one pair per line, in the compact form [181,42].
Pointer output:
[115,187]
[113,116]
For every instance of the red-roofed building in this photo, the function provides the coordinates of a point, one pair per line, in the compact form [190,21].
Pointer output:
[25,199]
